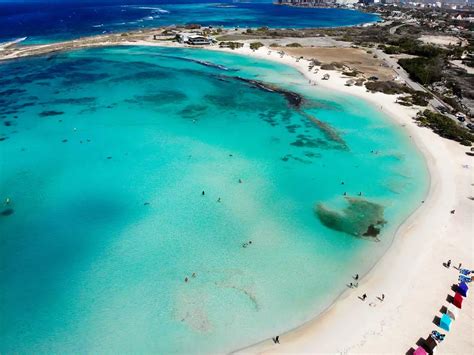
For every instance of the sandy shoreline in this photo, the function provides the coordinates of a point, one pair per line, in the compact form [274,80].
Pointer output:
[410,274]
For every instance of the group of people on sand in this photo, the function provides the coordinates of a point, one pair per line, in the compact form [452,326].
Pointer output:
[364,296]
[355,284]
[448,265]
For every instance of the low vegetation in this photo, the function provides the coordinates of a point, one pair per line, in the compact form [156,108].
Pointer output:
[231,45]
[387,87]
[332,66]
[412,46]
[445,127]
[295,45]
[413,97]
[423,70]
[351,73]
[256,45]
[418,98]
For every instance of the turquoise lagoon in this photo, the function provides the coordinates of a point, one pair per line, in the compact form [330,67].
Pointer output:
[104,154]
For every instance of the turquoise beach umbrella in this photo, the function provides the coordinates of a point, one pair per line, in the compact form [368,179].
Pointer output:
[445,322]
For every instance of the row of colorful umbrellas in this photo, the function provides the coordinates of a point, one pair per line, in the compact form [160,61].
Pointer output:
[450,314]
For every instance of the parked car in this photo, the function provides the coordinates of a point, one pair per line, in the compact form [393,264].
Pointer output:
[470,126]
[460,116]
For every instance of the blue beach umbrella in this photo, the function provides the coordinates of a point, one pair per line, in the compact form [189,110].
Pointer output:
[462,289]
[445,322]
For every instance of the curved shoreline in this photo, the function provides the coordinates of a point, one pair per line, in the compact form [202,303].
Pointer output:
[418,247]
[420,244]
[335,329]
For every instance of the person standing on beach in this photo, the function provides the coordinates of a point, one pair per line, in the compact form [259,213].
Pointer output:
[364,296]
[448,264]
[356,277]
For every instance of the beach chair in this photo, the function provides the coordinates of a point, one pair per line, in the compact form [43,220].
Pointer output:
[437,336]
[462,289]
[430,345]
[445,322]
[457,301]
[452,311]
[465,279]
[420,351]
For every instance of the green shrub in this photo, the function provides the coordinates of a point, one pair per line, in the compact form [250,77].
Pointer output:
[255,45]
[387,87]
[445,127]
[423,70]
[231,45]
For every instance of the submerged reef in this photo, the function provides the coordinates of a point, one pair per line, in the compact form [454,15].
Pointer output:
[294,99]
[198,61]
[361,218]
[329,132]
[50,113]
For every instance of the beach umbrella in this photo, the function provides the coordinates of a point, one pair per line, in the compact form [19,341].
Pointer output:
[462,289]
[445,322]
[420,351]
[458,300]
[452,312]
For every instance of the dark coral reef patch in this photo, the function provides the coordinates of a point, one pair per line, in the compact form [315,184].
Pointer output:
[361,218]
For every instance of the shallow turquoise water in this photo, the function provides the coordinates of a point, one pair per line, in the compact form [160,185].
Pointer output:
[104,156]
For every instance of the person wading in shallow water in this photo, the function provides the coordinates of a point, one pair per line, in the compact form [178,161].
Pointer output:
[276,339]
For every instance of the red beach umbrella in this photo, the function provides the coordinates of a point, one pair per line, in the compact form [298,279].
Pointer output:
[458,300]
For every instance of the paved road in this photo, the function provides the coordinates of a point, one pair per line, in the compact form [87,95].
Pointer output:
[394,29]
[392,62]
[435,102]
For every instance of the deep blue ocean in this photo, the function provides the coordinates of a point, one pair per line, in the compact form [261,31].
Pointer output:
[53,20]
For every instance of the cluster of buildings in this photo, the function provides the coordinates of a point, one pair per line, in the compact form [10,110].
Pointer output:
[315,3]
[452,4]
[196,38]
